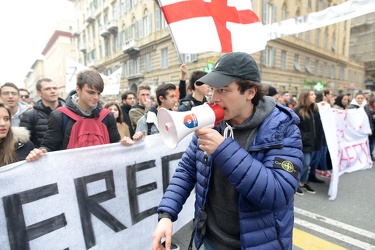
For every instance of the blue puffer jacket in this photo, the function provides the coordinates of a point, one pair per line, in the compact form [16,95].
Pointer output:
[266,187]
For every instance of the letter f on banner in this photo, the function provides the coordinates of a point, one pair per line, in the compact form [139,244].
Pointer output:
[214,25]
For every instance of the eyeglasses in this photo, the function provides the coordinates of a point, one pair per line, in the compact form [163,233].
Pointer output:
[130,98]
[25,96]
[9,93]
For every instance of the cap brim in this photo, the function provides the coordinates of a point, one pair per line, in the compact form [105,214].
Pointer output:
[216,80]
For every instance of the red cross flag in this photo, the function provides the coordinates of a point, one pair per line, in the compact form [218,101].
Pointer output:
[214,25]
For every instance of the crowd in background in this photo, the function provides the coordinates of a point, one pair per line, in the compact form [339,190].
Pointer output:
[137,112]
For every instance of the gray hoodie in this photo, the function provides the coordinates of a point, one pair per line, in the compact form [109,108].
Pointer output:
[22,108]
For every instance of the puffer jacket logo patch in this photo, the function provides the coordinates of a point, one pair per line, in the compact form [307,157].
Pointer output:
[286,165]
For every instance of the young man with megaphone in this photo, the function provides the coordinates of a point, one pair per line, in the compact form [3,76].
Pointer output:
[246,180]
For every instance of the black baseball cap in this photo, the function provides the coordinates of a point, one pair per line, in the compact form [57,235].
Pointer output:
[230,67]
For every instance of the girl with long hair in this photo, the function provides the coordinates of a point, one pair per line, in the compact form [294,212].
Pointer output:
[309,126]
[122,127]
[15,142]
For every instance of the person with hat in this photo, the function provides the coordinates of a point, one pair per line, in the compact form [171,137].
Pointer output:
[273,93]
[245,171]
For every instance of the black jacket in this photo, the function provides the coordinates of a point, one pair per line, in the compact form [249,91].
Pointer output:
[36,121]
[57,139]
[126,118]
[189,102]
[311,130]
[22,143]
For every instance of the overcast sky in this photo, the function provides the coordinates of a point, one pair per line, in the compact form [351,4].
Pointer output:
[26,26]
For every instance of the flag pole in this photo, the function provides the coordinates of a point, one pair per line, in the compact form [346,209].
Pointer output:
[170,32]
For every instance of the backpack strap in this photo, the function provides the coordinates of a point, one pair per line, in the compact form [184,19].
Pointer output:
[103,114]
[70,113]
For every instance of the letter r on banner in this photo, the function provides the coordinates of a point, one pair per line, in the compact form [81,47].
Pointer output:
[90,205]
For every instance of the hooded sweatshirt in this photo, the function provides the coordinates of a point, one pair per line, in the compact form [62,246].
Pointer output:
[222,206]
[22,108]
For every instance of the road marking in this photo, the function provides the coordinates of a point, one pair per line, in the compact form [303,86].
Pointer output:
[335,223]
[308,241]
[333,234]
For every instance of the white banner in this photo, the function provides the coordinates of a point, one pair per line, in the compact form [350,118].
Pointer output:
[328,16]
[102,197]
[111,82]
[346,134]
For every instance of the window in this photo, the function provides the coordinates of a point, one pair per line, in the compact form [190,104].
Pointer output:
[106,47]
[146,23]
[317,37]
[325,39]
[148,62]
[333,71]
[123,73]
[308,36]
[114,43]
[342,73]
[93,29]
[137,66]
[160,22]
[164,58]
[269,57]
[283,59]
[309,3]
[269,13]
[284,12]
[349,75]
[324,69]
[307,65]
[184,58]
[130,68]
[333,47]
[123,8]
[316,70]
[296,62]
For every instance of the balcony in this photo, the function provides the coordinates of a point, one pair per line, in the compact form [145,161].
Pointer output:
[90,17]
[75,33]
[130,46]
[104,32]
[113,26]
[83,49]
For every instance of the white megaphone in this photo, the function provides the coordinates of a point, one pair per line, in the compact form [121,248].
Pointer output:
[173,125]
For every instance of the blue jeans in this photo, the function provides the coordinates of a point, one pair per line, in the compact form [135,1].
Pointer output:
[372,143]
[319,157]
[307,157]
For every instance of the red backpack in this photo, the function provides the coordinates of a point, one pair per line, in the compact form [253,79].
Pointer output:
[87,131]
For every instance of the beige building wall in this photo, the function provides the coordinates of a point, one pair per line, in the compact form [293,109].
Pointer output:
[362,46]
[108,35]
[55,59]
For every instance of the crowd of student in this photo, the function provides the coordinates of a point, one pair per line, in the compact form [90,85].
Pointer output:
[315,151]
[266,132]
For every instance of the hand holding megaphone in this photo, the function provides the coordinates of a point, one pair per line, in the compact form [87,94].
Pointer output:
[174,126]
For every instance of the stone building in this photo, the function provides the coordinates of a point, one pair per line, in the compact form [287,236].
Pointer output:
[133,34]
[362,46]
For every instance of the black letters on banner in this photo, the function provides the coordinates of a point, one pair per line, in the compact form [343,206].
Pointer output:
[90,205]
[165,168]
[134,190]
[19,234]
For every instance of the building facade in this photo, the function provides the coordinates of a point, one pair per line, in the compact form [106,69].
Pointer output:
[60,46]
[133,34]
[362,46]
